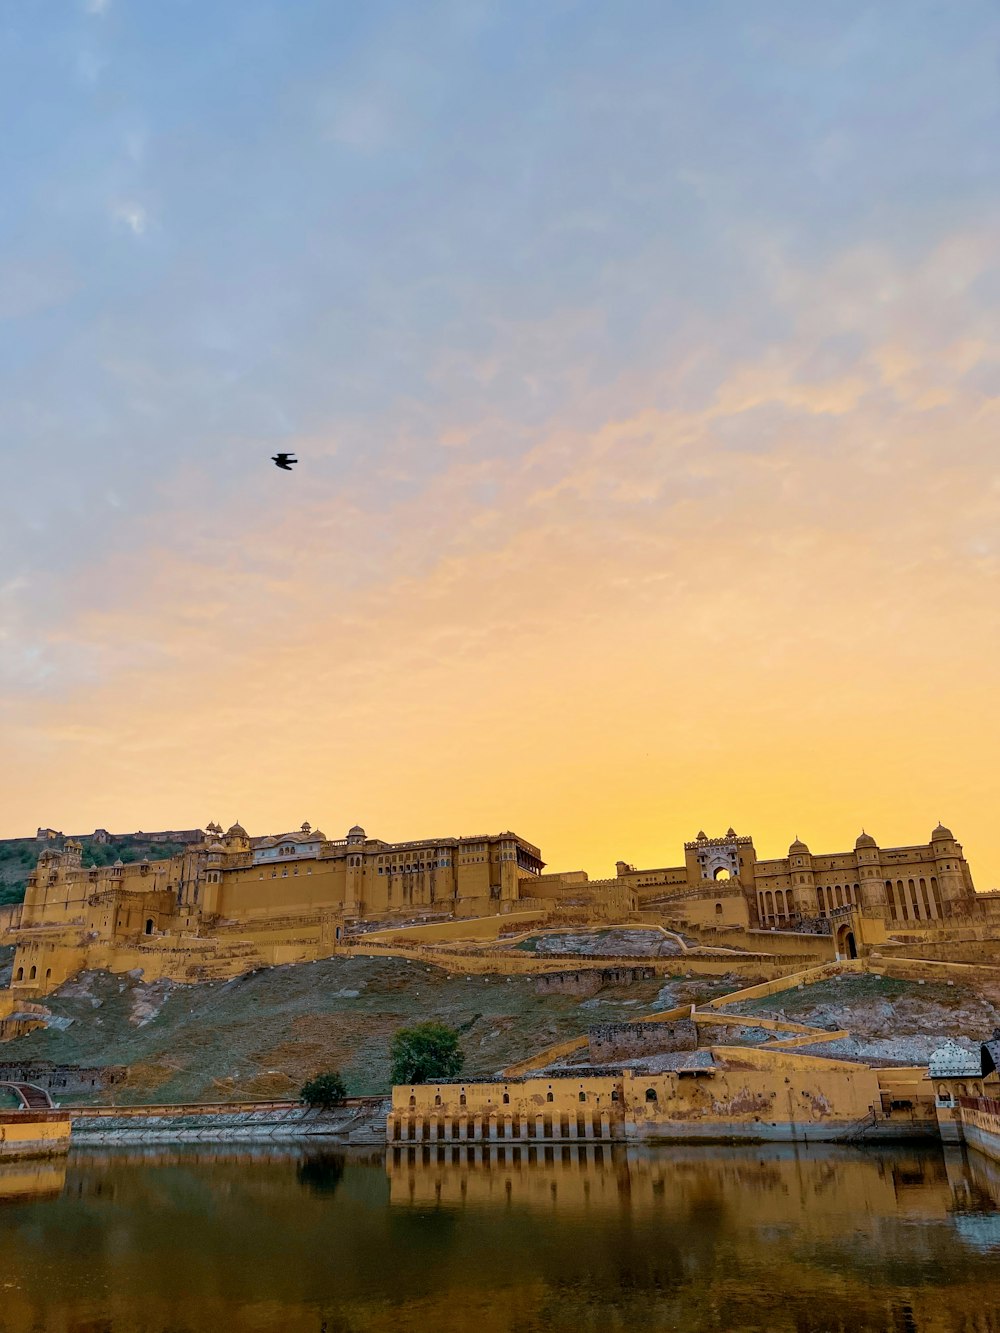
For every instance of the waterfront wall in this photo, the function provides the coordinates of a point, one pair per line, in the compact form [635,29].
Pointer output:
[739,1094]
[359,1120]
[34,1133]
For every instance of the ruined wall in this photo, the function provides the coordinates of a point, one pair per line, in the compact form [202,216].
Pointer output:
[590,980]
[626,1041]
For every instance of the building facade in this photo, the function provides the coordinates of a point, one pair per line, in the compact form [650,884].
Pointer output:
[298,886]
[919,883]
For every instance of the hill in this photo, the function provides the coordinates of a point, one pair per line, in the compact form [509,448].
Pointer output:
[263,1034]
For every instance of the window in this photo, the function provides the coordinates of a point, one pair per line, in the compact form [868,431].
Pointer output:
[651,1095]
[33,973]
[461,1100]
[506,1099]
[583,1096]
[549,1097]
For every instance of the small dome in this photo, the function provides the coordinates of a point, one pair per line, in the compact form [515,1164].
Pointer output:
[356,832]
[798,846]
[306,827]
[730,832]
[216,847]
[942,834]
[702,836]
[118,864]
[237,831]
[865,840]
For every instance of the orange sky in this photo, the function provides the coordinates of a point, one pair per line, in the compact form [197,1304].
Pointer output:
[649,433]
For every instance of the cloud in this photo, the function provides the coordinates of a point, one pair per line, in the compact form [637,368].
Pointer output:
[131,215]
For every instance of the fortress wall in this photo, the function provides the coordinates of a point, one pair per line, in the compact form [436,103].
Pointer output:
[626,1041]
[465,928]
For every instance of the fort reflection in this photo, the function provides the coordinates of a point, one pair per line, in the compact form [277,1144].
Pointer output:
[701,1238]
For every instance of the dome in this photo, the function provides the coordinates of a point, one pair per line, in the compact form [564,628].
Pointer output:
[798,846]
[237,831]
[864,840]
[216,847]
[942,834]
[356,832]
[702,836]
[730,832]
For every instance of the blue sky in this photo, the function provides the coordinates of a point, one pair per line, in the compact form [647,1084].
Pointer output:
[576,287]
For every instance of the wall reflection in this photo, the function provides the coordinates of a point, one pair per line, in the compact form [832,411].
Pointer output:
[706,1239]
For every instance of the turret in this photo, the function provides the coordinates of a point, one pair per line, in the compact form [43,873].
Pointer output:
[869,859]
[802,878]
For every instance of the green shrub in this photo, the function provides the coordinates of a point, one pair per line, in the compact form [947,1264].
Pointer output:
[324,1091]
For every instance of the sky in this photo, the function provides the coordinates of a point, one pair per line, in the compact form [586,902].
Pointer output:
[642,361]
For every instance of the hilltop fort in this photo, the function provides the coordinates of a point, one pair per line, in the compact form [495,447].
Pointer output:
[225,903]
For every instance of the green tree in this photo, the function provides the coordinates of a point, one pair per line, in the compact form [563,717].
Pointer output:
[324,1091]
[426,1053]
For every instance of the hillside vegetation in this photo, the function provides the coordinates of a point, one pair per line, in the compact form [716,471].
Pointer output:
[18,857]
[264,1034]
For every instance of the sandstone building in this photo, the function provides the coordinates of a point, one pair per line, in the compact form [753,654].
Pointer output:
[231,902]
[923,882]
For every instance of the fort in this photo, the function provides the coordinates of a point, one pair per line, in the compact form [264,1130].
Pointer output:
[227,903]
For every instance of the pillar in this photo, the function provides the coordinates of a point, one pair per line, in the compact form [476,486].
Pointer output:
[605,1125]
[539,1127]
[493,1128]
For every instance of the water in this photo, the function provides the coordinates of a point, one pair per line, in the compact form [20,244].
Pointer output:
[695,1239]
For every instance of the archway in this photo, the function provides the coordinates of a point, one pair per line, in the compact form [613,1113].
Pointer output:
[722,874]
[149,926]
[847,945]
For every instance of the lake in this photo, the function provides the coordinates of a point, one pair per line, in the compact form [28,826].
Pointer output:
[582,1239]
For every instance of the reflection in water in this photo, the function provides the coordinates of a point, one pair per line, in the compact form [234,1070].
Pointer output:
[705,1239]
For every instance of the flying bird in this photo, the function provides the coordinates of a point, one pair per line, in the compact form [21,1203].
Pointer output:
[284,461]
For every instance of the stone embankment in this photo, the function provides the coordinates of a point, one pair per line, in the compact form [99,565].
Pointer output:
[359,1120]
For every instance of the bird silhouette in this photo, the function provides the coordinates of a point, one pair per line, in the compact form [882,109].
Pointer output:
[284,461]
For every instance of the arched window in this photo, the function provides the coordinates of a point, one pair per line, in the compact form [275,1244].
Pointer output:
[33,973]
[718,909]
[413,1100]
[461,1100]
[583,1096]
[437,1100]
[549,1097]
[506,1099]
[149,926]
[614,1094]
[48,974]
[20,974]
[651,1095]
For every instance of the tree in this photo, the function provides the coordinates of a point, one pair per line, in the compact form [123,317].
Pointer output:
[426,1053]
[324,1091]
